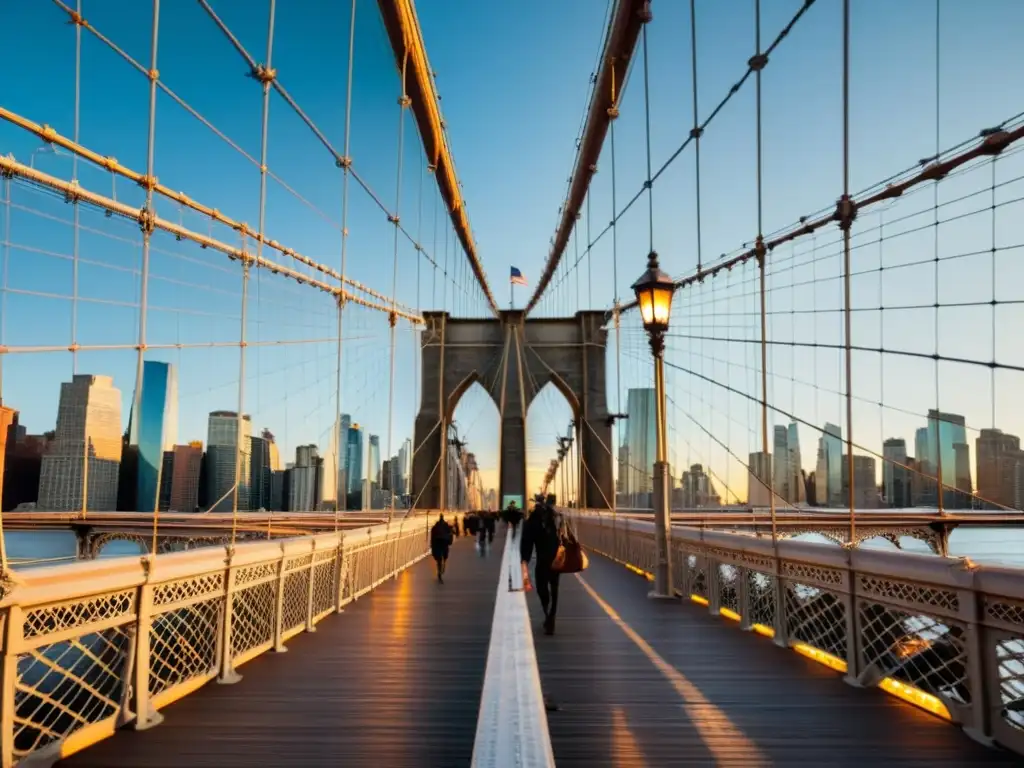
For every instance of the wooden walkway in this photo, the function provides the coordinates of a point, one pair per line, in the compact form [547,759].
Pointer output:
[668,685]
[394,681]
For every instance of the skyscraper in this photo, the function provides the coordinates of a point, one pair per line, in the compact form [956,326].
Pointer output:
[405,468]
[354,459]
[186,465]
[828,478]
[795,476]
[303,488]
[87,448]
[895,476]
[759,479]
[865,488]
[780,463]
[346,425]
[640,438]
[997,454]
[222,444]
[373,462]
[259,470]
[945,430]
[155,430]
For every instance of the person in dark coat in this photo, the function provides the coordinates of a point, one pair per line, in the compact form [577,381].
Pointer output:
[512,515]
[542,535]
[440,543]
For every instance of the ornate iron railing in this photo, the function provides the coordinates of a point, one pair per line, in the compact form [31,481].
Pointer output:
[92,646]
[944,634]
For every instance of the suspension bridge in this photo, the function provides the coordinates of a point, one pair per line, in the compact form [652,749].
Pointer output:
[249,352]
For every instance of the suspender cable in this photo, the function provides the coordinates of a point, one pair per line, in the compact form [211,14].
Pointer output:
[403,104]
[341,440]
[147,234]
[847,212]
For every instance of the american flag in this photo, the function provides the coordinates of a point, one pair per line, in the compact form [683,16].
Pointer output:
[516,277]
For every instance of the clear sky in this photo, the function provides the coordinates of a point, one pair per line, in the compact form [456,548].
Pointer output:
[514,84]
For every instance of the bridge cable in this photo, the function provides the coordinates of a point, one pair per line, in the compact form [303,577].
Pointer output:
[757,63]
[341,440]
[940,489]
[613,113]
[403,103]
[147,232]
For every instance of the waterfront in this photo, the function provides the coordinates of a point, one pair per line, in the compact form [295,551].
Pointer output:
[991,546]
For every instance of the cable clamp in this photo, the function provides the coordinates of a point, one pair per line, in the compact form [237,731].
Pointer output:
[846,212]
[613,112]
[757,62]
[263,73]
[644,13]
[393,218]
[404,101]
[995,141]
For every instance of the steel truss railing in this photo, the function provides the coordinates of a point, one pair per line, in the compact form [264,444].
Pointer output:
[90,647]
[944,634]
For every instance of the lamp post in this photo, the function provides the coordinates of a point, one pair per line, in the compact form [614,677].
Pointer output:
[654,292]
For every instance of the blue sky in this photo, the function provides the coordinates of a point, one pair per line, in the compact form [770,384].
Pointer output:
[514,82]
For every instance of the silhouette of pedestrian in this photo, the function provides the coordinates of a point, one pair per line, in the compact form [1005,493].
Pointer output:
[440,544]
[542,534]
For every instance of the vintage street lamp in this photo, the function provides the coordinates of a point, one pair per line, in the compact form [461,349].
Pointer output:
[654,292]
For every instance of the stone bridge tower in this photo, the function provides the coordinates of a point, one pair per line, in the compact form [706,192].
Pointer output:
[513,357]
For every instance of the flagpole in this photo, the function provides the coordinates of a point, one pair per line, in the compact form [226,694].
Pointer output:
[511,285]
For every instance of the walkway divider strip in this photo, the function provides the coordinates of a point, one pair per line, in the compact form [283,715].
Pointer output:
[512,725]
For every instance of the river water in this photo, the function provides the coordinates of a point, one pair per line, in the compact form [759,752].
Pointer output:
[994,546]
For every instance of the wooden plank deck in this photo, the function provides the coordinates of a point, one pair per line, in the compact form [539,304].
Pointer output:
[393,681]
[673,685]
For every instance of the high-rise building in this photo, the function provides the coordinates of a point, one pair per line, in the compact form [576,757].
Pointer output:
[304,486]
[273,450]
[641,436]
[696,489]
[759,479]
[405,468]
[260,469]
[962,459]
[865,484]
[8,430]
[154,429]
[373,462]
[828,477]
[780,463]
[223,445]
[354,460]
[795,477]
[896,480]
[86,452]
[945,430]
[997,455]
[22,464]
[185,467]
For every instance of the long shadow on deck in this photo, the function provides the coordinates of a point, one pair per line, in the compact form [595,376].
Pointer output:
[393,681]
[724,696]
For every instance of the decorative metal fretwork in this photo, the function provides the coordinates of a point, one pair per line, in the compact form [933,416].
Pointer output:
[816,617]
[78,613]
[253,616]
[188,589]
[761,598]
[728,587]
[698,576]
[296,599]
[325,586]
[183,644]
[909,594]
[916,649]
[1009,656]
[66,686]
